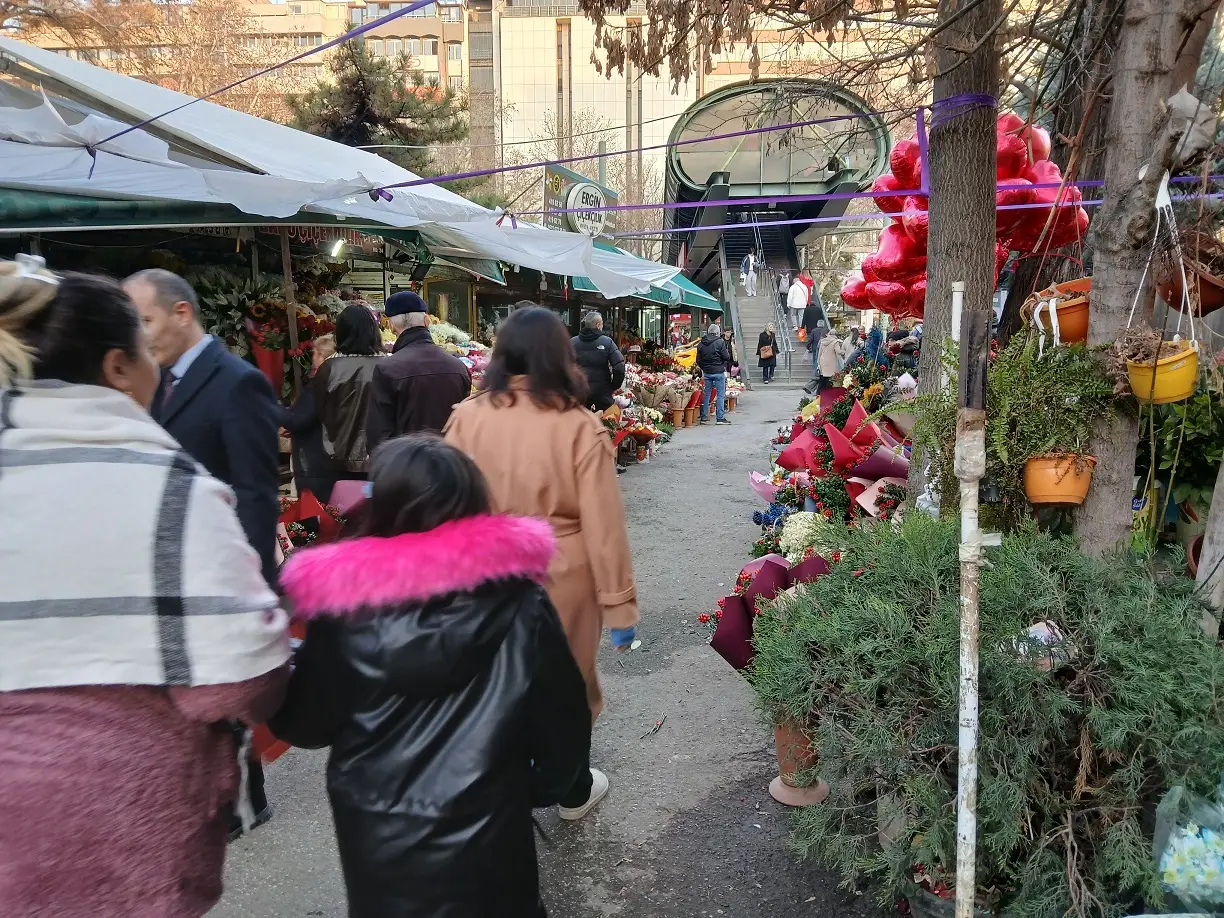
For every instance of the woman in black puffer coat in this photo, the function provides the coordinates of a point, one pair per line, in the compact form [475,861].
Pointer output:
[436,669]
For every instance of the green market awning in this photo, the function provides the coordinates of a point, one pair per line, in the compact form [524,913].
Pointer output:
[693,296]
[655,295]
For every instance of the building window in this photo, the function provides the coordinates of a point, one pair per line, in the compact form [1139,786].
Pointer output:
[357,15]
[376,47]
[565,92]
[455,83]
[412,47]
[393,47]
[250,41]
[295,9]
[430,47]
[452,13]
[433,78]
[454,51]
[307,41]
[431,10]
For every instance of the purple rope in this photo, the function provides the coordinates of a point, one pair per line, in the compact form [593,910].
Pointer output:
[352,33]
[482,173]
[923,165]
[809,220]
[944,110]
[831,196]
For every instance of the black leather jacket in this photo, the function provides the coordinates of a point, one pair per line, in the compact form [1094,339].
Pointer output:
[342,396]
[713,355]
[448,718]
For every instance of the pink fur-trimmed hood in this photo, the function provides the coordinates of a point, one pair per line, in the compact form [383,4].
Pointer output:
[369,573]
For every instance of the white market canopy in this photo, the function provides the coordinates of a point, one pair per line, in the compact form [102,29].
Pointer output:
[50,141]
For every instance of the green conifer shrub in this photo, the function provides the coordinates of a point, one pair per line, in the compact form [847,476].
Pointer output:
[1072,760]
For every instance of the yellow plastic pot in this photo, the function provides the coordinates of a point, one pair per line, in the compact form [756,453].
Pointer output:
[1057,480]
[1173,379]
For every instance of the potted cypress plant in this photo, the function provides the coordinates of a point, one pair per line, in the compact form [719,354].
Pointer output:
[1098,693]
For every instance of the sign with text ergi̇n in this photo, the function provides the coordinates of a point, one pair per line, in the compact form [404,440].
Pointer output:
[566,190]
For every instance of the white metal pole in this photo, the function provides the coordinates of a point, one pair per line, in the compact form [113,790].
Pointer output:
[970,467]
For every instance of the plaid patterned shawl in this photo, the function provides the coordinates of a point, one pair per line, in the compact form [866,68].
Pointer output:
[121,561]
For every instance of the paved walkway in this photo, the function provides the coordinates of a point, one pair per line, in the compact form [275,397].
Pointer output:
[688,828]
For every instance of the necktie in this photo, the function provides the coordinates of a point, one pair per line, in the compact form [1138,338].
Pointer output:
[168,382]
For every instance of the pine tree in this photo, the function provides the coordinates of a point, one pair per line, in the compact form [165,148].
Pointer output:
[373,100]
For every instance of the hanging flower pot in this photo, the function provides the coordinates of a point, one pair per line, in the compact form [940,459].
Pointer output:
[271,364]
[1070,307]
[1058,479]
[795,753]
[1172,379]
[1199,251]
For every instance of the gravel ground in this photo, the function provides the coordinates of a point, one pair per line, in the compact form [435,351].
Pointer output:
[688,828]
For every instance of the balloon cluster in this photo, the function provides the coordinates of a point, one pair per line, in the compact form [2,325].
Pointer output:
[894,278]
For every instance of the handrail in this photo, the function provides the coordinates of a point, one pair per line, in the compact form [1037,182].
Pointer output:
[732,304]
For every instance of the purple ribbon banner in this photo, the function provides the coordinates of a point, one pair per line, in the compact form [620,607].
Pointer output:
[844,195]
[352,33]
[483,173]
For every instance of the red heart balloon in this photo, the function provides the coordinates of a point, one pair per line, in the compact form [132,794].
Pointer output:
[898,255]
[905,160]
[854,293]
[889,204]
[916,222]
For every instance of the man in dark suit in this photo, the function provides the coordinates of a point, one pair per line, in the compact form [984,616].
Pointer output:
[222,412]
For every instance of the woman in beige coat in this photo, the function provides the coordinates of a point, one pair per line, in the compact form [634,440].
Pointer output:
[544,454]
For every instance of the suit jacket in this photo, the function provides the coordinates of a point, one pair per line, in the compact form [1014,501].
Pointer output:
[223,413]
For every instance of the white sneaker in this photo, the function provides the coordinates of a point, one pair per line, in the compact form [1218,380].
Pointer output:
[599,790]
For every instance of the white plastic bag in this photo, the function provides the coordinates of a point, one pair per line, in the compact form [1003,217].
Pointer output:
[1189,848]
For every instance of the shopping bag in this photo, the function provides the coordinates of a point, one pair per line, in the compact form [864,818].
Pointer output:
[767,352]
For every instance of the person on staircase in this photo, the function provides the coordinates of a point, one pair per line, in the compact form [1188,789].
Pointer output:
[784,282]
[748,268]
[767,353]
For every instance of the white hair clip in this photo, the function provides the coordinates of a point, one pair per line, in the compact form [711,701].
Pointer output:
[35,268]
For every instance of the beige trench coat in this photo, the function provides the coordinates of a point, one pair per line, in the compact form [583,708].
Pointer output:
[558,465]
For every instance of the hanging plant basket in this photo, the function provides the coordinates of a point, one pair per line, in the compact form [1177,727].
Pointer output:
[1070,300]
[1172,379]
[1058,480]
[1199,252]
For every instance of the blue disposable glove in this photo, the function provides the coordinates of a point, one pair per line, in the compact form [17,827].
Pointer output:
[623,637]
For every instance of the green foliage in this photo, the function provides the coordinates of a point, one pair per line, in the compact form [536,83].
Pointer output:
[373,100]
[226,301]
[1190,445]
[1072,757]
[1035,406]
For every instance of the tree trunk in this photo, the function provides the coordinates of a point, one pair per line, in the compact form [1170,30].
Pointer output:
[1077,144]
[1211,558]
[1149,43]
[960,244]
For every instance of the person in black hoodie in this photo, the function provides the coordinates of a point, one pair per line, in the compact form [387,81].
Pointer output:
[438,672]
[714,359]
[601,361]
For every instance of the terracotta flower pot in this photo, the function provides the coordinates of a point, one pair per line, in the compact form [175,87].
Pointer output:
[1210,287]
[1173,379]
[1072,313]
[677,417]
[690,417]
[1194,552]
[1057,479]
[795,753]
[731,400]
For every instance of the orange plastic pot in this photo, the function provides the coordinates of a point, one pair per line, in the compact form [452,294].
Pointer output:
[1072,313]
[1172,379]
[1057,479]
